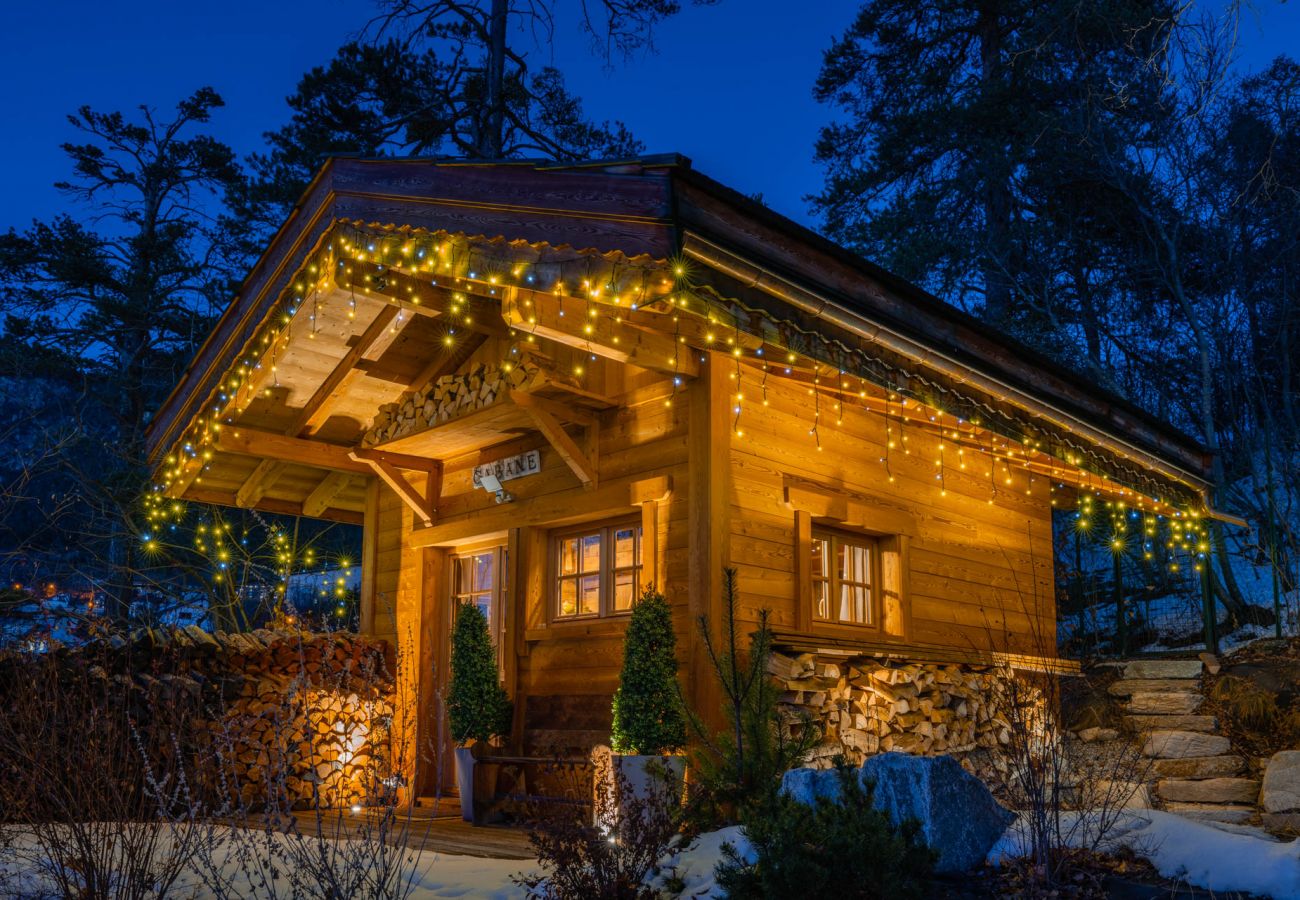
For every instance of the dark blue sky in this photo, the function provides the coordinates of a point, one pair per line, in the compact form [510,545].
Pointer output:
[730,86]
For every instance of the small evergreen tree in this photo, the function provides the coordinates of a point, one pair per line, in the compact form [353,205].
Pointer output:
[477,704]
[740,768]
[648,718]
[839,847]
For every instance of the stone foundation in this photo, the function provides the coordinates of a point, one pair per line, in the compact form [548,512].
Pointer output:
[864,705]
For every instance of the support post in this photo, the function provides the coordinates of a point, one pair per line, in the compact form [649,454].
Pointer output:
[1207,602]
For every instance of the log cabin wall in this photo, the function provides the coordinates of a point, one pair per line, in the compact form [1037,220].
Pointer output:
[976,576]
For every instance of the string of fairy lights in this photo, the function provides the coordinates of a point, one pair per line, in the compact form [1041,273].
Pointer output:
[463,274]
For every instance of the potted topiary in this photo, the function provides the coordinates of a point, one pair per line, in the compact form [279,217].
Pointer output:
[477,705]
[649,729]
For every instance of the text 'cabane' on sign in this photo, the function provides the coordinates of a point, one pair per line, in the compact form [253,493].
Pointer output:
[510,468]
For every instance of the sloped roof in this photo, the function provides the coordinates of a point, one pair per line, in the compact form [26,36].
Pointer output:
[837,305]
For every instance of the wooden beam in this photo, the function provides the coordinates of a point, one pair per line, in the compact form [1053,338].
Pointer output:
[263,444]
[473,312]
[324,494]
[267,504]
[422,504]
[314,411]
[259,482]
[398,460]
[554,432]
[537,313]
[615,497]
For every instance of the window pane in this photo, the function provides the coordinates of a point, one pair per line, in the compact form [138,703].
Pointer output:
[568,597]
[484,569]
[820,603]
[854,562]
[624,590]
[853,604]
[569,556]
[819,558]
[590,594]
[625,554]
[591,552]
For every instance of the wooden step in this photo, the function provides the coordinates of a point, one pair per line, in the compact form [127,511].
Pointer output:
[1208,790]
[1174,703]
[1152,722]
[1198,767]
[1212,812]
[1163,668]
[1126,687]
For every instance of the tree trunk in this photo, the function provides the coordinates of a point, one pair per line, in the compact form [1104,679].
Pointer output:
[997,188]
[492,146]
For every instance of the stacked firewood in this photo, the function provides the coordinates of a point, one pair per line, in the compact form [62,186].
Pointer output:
[446,398]
[862,706]
[311,720]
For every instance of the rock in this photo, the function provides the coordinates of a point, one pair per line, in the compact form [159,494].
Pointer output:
[1163,668]
[1212,812]
[1182,744]
[1129,686]
[1288,823]
[1198,767]
[1107,794]
[1176,723]
[1282,783]
[1090,735]
[1175,703]
[1209,790]
[959,818]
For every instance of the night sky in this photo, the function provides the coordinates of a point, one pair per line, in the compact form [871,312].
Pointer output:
[730,86]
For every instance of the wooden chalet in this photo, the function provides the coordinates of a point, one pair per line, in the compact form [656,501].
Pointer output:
[545,387]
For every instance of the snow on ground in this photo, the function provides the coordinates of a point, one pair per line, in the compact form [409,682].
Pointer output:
[1202,855]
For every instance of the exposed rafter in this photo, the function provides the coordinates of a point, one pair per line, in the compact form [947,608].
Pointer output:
[325,493]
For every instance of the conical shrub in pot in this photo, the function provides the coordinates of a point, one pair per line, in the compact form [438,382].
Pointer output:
[649,727]
[477,705]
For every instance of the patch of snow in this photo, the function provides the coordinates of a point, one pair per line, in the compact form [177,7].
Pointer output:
[1202,855]
[694,864]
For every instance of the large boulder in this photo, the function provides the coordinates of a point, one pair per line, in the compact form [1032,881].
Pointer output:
[958,816]
[1281,793]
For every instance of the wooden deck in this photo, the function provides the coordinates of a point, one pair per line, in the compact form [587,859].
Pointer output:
[424,827]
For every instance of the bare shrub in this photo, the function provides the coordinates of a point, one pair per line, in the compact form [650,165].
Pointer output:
[95,792]
[606,851]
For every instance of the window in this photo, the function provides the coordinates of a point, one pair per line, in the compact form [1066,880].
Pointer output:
[844,570]
[597,570]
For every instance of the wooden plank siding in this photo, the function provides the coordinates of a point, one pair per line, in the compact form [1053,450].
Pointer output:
[979,575]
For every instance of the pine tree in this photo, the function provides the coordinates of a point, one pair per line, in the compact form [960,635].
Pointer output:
[476,703]
[648,718]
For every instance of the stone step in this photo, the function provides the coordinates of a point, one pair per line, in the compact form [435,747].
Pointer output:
[1198,767]
[1173,703]
[1126,687]
[1163,668]
[1212,812]
[1182,744]
[1141,723]
[1208,790]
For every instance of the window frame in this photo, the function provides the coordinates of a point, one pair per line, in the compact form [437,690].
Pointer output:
[607,570]
[835,538]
